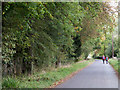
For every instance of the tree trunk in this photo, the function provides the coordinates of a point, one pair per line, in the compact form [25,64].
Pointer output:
[4,69]
[30,65]
[58,62]
[15,67]
[112,46]
[19,66]
[104,49]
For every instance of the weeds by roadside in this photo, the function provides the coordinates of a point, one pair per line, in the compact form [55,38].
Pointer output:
[115,64]
[43,80]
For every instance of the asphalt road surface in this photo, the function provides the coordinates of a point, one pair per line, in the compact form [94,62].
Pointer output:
[97,75]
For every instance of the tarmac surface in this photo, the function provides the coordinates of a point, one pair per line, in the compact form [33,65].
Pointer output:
[97,75]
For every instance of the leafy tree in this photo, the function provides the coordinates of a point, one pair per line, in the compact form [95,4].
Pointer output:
[45,34]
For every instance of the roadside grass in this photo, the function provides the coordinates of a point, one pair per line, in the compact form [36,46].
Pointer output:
[47,79]
[10,82]
[115,64]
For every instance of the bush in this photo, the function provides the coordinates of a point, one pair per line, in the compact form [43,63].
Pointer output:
[10,83]
[118,56]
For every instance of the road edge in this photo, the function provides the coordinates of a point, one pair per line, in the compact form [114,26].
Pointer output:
[69,76]
[116,72]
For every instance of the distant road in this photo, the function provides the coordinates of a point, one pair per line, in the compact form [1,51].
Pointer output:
[97,75]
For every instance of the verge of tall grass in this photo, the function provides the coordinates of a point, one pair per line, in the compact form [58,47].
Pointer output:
[10,82]
[47,79]
[114,63]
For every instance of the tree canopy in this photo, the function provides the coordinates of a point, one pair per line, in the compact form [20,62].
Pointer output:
[45,34]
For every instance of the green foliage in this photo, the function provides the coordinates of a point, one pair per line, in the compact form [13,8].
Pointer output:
[39,80]
[47,34]
[44,34]
[115,64]
[77,44]
[109,50]
[10,83]
[118,54]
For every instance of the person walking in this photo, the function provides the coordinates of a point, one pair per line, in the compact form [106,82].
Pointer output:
[103,58]
[107,60]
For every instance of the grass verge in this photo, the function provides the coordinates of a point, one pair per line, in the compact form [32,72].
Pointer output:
[47,79]
[114,64]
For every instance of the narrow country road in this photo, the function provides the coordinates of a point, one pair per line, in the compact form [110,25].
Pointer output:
[97,75]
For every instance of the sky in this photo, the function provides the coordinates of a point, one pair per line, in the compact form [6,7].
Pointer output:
[113,4]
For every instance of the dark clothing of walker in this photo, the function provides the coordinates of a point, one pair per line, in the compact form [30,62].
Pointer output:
[103,59]
[107,60]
